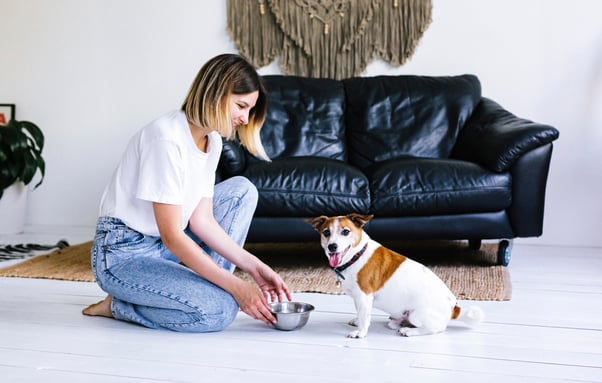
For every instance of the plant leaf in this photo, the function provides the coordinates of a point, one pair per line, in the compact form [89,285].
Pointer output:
[21,144]
[29,167]
[35,133]
[42,166]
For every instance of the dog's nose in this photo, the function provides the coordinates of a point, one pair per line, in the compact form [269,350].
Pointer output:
[332,247]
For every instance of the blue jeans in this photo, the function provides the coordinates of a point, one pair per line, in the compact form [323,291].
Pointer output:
[148,284]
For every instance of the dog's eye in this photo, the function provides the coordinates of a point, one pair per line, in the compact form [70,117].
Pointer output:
[345,232]
[326,233]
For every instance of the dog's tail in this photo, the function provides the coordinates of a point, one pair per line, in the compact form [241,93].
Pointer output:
[472,315]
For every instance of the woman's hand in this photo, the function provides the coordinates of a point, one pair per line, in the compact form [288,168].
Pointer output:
[253,302]
[270,283]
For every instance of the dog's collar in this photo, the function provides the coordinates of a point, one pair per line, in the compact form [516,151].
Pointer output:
[339,269]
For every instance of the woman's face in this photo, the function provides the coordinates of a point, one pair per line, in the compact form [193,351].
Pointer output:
[240,106]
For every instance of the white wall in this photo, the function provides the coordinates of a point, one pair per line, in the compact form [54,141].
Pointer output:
[91,72]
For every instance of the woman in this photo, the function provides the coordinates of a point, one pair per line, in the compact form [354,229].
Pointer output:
[168,239]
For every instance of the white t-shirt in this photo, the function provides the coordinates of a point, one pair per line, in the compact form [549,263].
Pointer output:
[161,164]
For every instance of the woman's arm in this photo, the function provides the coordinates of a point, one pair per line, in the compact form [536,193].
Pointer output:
[204,225]
[251,300]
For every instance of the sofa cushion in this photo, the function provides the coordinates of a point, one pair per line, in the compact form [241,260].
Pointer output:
[305,118]
[393,116]
[307,187]
[423,186]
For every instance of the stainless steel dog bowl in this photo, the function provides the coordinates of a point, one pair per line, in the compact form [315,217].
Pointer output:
[290,315]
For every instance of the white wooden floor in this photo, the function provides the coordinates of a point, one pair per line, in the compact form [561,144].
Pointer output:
[551,331]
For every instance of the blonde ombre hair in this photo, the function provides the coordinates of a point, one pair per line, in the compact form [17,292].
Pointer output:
[208,101]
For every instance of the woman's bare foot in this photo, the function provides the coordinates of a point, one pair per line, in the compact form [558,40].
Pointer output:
[102,308]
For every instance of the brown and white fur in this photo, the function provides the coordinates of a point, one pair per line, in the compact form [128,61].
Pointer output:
[417,301]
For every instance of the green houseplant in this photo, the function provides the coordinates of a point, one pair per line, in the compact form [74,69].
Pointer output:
[21,144]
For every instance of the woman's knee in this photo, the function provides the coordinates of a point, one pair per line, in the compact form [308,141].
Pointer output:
[240,187]
[216,321]
[228,315]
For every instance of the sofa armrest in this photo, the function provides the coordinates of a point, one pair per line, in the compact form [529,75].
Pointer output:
[495,138]
[232,161]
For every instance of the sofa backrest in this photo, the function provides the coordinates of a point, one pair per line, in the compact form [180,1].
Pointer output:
[397,116]
[305,118]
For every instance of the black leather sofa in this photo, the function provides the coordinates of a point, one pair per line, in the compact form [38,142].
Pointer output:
[428,156]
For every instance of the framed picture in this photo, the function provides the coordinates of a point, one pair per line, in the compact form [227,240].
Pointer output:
[7,113]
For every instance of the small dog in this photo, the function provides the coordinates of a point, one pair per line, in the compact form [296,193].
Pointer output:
[418,302]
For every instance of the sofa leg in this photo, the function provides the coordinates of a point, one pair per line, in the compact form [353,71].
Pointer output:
[474,244]
[504,252]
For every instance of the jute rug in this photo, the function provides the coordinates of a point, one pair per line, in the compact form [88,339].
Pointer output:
[470,274]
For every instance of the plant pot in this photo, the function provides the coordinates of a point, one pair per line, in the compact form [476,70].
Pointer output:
[13,206]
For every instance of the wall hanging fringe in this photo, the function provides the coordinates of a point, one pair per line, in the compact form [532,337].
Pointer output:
[327,38]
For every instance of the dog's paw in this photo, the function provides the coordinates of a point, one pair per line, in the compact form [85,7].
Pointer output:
[405,331]
[353,322]
[356,334]
[394,324]
[414,331]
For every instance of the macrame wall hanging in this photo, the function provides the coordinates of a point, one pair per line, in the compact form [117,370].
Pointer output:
[327,38]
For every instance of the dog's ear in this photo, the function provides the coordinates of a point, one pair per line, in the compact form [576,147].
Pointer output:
[359,220]
[317,222]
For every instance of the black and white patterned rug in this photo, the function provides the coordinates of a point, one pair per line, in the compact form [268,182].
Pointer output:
[25,250]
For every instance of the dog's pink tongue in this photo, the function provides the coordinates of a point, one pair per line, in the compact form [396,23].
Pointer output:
[335,259]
